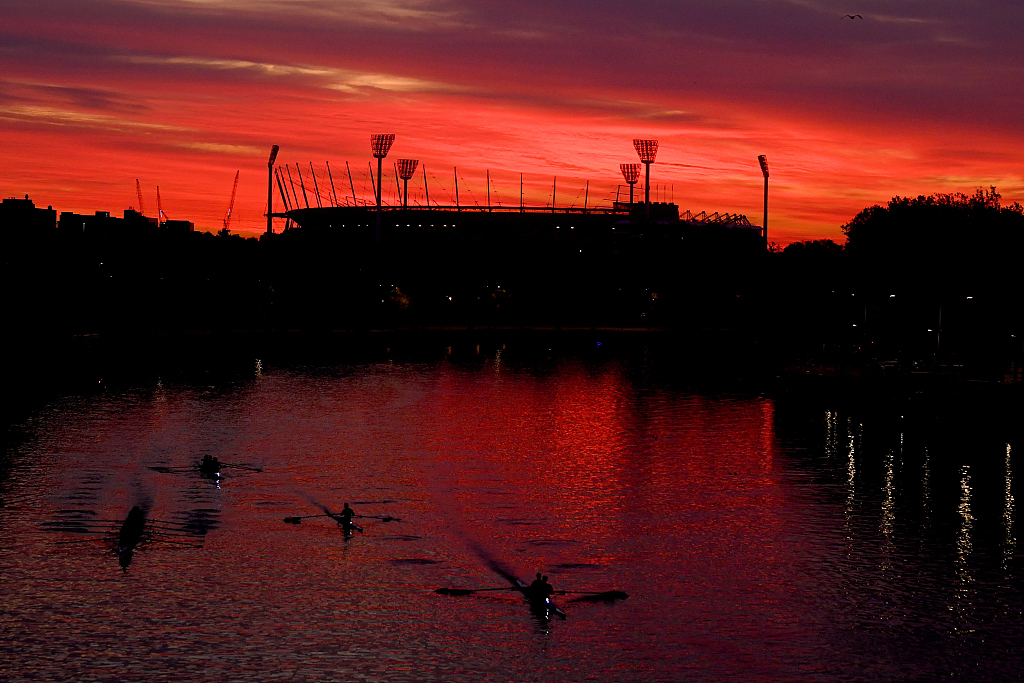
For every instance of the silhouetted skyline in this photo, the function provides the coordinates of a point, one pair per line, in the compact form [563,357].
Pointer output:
[923,283]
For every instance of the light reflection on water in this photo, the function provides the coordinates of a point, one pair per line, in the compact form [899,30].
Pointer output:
[758,541]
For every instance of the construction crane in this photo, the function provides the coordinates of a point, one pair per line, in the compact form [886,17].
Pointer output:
[138,189]
[162,217]
[234,189]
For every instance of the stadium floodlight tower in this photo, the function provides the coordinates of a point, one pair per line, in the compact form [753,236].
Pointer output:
[270,188]
[647,150]
[763,160]
[379,145]
[631,173]
[406,168]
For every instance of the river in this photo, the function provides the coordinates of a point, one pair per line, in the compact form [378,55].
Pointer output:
[759,538]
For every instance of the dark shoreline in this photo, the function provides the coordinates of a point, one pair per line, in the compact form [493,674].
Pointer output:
[710,360]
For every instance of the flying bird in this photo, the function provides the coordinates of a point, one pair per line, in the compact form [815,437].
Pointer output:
[852,16]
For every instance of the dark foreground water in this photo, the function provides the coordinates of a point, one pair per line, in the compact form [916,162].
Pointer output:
[757,540]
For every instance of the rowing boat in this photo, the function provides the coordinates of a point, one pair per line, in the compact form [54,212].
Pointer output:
[347,526]
[539,604]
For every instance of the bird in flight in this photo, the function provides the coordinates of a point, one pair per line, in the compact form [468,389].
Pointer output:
[852,16]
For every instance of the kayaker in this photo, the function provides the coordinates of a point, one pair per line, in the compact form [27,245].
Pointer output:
[548,589]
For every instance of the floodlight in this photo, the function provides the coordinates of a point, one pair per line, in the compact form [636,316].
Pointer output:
[380,144]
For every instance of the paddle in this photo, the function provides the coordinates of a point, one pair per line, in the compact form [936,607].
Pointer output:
[383,519]
[467,591]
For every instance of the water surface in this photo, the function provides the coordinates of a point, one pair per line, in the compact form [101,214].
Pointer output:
[757,540]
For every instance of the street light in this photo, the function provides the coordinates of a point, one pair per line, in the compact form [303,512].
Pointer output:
[763,160]
[270,188]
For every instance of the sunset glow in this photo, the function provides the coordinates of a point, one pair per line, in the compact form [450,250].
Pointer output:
[181,94]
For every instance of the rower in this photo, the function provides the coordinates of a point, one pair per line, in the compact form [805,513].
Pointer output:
[547,588]
[210,465]
[347,514]
[536,589]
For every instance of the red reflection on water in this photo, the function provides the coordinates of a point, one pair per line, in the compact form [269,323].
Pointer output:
[567,464]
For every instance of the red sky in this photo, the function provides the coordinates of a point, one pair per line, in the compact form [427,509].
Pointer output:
[914,98]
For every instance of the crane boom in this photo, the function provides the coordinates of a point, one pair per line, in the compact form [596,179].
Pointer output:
[138,189]
[231,206]
[161,216]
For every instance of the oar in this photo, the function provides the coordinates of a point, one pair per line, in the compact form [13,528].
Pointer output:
[383,519]
[467,591]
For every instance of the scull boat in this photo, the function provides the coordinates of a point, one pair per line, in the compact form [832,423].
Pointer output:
[347,527]
[539,604]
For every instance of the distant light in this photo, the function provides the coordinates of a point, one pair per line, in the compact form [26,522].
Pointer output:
[969,298]
[893,296]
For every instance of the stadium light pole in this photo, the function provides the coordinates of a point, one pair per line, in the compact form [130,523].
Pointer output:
[379,145]
[406,169]
[646,150]
[763,160]
[631,173]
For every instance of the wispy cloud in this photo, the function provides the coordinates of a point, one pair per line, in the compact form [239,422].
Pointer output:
[345,80]
[409,15]
[79,97]
[221,148]
[63,117]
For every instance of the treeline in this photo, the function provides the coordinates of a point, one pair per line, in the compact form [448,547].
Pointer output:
[921,283]
[929,282]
